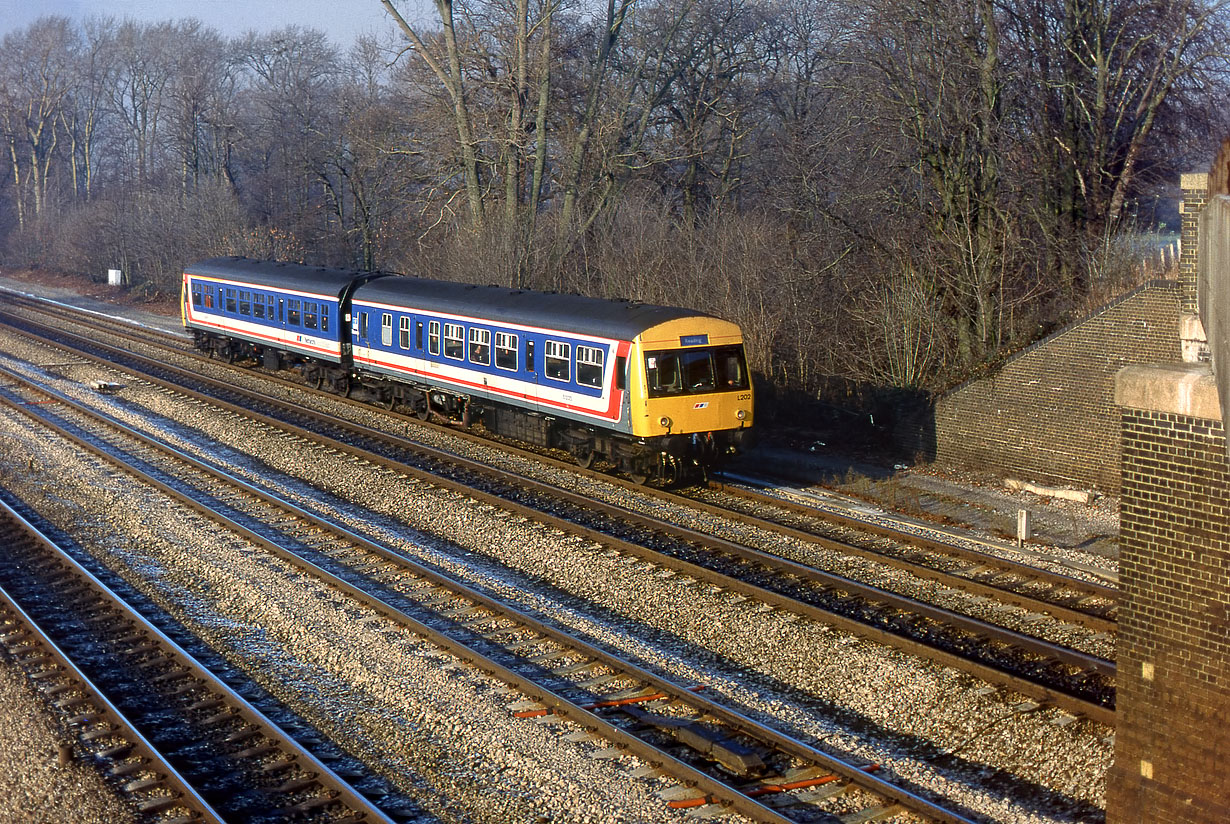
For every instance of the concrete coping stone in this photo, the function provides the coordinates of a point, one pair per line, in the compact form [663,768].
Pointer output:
[1176,388]
[1194,181]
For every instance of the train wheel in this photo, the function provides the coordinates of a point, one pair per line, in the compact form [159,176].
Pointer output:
[585,457]
[422,407]
[317,378]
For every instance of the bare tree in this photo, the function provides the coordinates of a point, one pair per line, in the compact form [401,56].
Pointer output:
[38,77]
[1097,79]
[447,68]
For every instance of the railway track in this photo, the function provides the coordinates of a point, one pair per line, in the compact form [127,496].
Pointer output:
[719,756]
[1082,585]
[180,743]
[1046,672]
[919,551]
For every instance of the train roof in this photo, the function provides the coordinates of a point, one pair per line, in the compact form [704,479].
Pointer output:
[618,319]
[276,275]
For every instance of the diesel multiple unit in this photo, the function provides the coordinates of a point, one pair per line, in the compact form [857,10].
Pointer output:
[657,391]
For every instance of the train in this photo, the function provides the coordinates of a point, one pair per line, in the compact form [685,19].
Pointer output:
[657,392]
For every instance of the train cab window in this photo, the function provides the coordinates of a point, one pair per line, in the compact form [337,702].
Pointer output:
[589,365]
[697,368]
[557,361]
[196,294]
[621,373]
[403,332]
[292,312]
[309,315]
[433,337]
[480,346]
[230,300]
[506,351]
[245,303]
[662,369]
[363,325]
[324,317]
[454,341]
[731,368]
[386,329]
[696,371]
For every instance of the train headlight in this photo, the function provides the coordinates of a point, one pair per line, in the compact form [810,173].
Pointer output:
[665,421]
[741,414]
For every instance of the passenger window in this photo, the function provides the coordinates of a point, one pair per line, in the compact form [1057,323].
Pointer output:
[292,312]
[556,361]
[363,324]
[589,365]
[403,332]
[230,300]
[324,318]
[529,356]
[309,315]
[386,329]
[258,307]
[506,351]
[480,346]
[454,341]
[621,373]
[245,303]
[209,297]
[418,334]
[196,294]
[433,337]
[272,315]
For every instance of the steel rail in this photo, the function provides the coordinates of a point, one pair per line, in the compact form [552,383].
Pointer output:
[559,704]
[994,591]
[104,714]
[342,793]
[992,673]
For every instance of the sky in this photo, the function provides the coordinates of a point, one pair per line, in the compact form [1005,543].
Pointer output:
[342,20]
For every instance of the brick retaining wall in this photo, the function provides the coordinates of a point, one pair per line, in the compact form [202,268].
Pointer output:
[1048,414]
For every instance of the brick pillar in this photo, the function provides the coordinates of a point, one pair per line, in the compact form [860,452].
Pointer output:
[1172,739]
[1195,188]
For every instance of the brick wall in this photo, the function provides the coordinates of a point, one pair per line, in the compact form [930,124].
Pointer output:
[1048,414]
[1195,189]
[1172,742]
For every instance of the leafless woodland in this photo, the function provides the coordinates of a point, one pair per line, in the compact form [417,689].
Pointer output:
[889,193]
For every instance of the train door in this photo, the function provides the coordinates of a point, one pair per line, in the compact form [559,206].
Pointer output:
[532,372]
[359,326]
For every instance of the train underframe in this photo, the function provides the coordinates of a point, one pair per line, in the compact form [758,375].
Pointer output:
[670,459]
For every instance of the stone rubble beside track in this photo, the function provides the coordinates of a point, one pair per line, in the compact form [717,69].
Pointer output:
[678,512]
[865,700]
[35,786]
[440,730]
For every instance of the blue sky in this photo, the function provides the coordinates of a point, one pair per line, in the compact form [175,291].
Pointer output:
[342,20]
